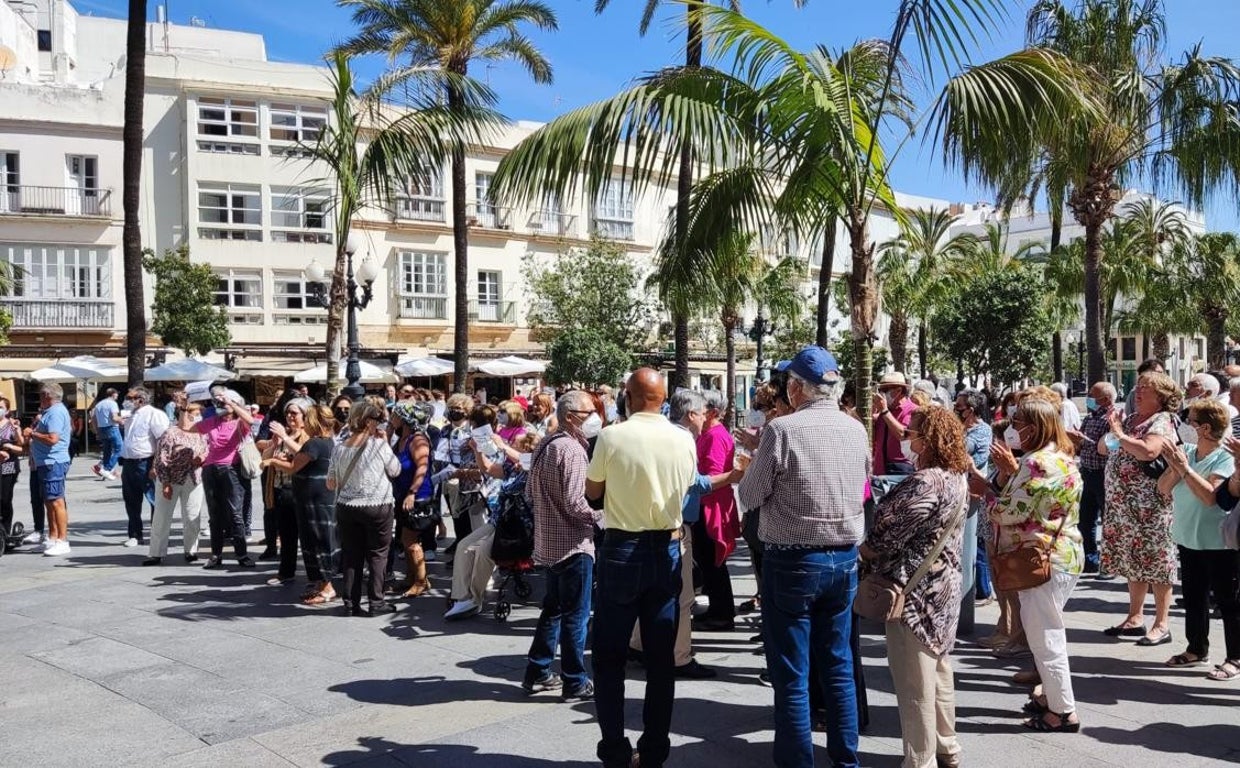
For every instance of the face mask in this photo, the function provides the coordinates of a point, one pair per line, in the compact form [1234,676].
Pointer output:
[503,419]
[455,415]
[613,413]
[1187,433]
[4,413]
[526,460]
[906,447]
[754,419]
[195,418]
[592,426]
[1012,438]
[341,414]
[1091,404]
[128,405]
[961,414]
[888,398]
[1011,411]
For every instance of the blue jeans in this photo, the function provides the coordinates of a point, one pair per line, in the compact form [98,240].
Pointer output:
[638,577]
[136,487]
[807,597]
[564,620]
[110,444]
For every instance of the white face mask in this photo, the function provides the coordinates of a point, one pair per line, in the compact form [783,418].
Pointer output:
[754,419]
[503,419]
[526,460]
[1011,411]
[1012,438]
[591,426]
[1187,433]
[195,418]
[906,447]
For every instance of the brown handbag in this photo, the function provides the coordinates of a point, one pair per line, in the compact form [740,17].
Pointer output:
[1024,567]
[881,599]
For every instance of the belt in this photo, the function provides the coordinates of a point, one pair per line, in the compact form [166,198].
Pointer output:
[671,534]
[809,547]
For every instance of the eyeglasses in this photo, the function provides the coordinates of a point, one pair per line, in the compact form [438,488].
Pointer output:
[583,413]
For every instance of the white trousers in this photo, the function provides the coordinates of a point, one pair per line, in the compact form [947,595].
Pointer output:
[472,565]
[190,497]
[1041,611]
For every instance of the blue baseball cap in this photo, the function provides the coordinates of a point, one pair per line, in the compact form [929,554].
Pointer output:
[815,364]
[782,365]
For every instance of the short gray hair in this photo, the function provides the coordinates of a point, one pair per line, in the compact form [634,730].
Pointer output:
[141,392]
[683,402]
[828,390]
[52,390]
[572,400]
[1208,382]
[1108,389]
[975,400]
[1233,384]
[1060,389]
[715,400]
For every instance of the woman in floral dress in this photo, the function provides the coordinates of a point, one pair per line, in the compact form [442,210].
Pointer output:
[1136,532]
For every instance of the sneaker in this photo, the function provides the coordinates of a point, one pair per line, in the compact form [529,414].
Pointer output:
[130,542]
[547,681]
[34,538]
[430,556]
[112,476]
[97,469]
[57,548]
[583,692]
[462,609]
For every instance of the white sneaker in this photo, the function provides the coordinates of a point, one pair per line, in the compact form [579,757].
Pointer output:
[57,548]
[111,475]
[462,609]
[430,556]
[130,543]
[34,538]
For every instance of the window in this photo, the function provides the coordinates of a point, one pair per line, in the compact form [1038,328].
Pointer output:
[238,289]
[486,214]
[293,292]
[292,122]
[613,213]
[229,212]
[59,272]
[10,182]
[299,209]
[44,39]
[420,196]
[1128,348]
[489,291]
[229,148]
[227,117]
[423,285]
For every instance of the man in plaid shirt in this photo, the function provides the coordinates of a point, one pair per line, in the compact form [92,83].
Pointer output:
[1094,427]
[564,543]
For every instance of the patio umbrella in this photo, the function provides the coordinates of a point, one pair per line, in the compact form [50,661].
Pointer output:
[511,366]
[81,368]
[189,369]
[371,374]
[425,366]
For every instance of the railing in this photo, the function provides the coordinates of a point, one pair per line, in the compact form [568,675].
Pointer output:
[488,216]
[493,312]
[54,201]
[613,229]
[58,313]
[554,223]
[419,209]
[424,307]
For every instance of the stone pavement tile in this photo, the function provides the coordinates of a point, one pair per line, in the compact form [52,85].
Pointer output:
[97,658]
[24,638]
[243,753]
[213,709]
[80,612]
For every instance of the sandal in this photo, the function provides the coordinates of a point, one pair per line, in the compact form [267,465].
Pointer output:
[1228,670]
[1186,660]
[1036,707]
[1040,724]
[1125,630]
[320,598]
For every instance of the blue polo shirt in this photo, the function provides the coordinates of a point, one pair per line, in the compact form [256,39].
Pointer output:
[56,420]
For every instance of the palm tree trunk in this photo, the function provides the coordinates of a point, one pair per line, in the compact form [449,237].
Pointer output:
[863,299]
[822,332]
[1216,338]
[684,185]
[729,343]
[897,340]
[131,198]
[922,346]
[335,312]
[460,244]
[1162,346]
[1095,351]
[1056,337]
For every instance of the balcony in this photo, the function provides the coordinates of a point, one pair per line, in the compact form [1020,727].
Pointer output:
[613,229]
[553,223]
[486,216]
[419,209]
[24,200]
[58,313]
[423,308]
[503,312]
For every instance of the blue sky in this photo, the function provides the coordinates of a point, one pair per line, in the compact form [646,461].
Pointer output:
[595,55]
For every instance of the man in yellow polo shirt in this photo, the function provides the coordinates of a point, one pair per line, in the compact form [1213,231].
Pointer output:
[641,469]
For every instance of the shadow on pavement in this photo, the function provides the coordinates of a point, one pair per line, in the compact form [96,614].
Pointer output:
[381,751]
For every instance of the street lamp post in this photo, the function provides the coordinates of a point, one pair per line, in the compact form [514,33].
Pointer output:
[367,271]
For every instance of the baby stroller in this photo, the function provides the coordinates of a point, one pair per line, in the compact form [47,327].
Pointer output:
[513,546]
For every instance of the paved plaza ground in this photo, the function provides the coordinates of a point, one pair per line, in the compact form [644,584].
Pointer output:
[106,663]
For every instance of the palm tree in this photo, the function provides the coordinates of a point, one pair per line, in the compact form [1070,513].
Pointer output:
[927,245]
[1208,269]
[369,148]
[1174,120]
[897,280]
[131,192]
[449,35]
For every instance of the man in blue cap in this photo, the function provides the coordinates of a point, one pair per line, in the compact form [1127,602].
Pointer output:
[808,476]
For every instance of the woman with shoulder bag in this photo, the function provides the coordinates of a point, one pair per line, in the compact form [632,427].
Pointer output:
[1038,550]
[286,440]
[358,473]
[915,546]
[413,489]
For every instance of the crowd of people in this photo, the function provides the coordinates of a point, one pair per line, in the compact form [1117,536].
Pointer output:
[633,501]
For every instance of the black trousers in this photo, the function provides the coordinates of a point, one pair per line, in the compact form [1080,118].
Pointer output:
[7,484]
[135,482]
[1203,571]
[749,531]
[716,581]
[316,527]
[1093,502]
[365,535]
[222,487]
[37,510]
[285,509]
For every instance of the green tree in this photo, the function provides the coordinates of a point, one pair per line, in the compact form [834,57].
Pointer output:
[1206,270]
[586,356]
[845,355]
[997,325]
[369,150]
[184,313]
[449,35]
[1172,119]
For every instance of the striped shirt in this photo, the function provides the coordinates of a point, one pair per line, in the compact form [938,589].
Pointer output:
[808,476]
